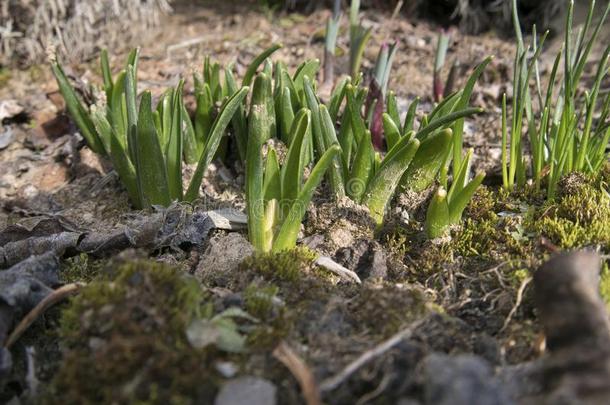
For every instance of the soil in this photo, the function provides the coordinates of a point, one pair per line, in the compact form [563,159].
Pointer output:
[462,310]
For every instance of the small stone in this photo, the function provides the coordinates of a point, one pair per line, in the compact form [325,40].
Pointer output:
[247,390]
[226,368]
[30,191]
[9,109]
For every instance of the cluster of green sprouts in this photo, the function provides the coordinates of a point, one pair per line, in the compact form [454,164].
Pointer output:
[146,145]
[357,139]
[563,137]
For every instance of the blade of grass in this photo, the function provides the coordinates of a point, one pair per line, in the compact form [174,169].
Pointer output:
[251,71]
[78,113]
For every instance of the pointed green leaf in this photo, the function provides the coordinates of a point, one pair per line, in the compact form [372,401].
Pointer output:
[221,122]
[382,186]
[337,97]
[390,130]
[407,125]
[292,171]
[251,71]
[437,216]
[330,138]
[150,167]
[173,154]
[362,169]
[272,184]
[306,69]
[106,75]
[289,231]
[286,115]
[77,111]
[429,128]
[118,156]
[427,162]
[460,200]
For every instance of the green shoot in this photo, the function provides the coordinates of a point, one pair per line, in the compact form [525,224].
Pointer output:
[276,198]
[358,38]
[564,135]
[446,208]
[330,42]
[146,145]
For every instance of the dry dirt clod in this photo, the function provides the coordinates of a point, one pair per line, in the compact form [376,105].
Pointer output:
[222,257]
[365,257]
[460,380]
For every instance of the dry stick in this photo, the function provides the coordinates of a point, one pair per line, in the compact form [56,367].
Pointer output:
[513,310]
[396,10]
[185,44]
[331,383]
[334,267]
[301,372]
[46,303]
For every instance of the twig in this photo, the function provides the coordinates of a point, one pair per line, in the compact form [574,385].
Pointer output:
[46,303]
[186,44]
[334,267]
[300,371]
[331,383]
[396,10]
[513,310]
[366,399]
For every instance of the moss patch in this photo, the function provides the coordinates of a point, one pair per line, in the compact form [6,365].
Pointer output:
[384,310]
[289,265]
[81,268]
[578,217]
[126,343]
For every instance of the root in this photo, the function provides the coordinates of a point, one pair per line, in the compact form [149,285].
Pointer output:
[52,299]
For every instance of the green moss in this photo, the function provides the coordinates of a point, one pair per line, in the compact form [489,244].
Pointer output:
[578,217]
[384,310]
[263,302]
[518,276]
[476,238]
[289,265]
[432,257]
[125,341]
[481,205]
[81,268]
[397,241]
[259,300]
